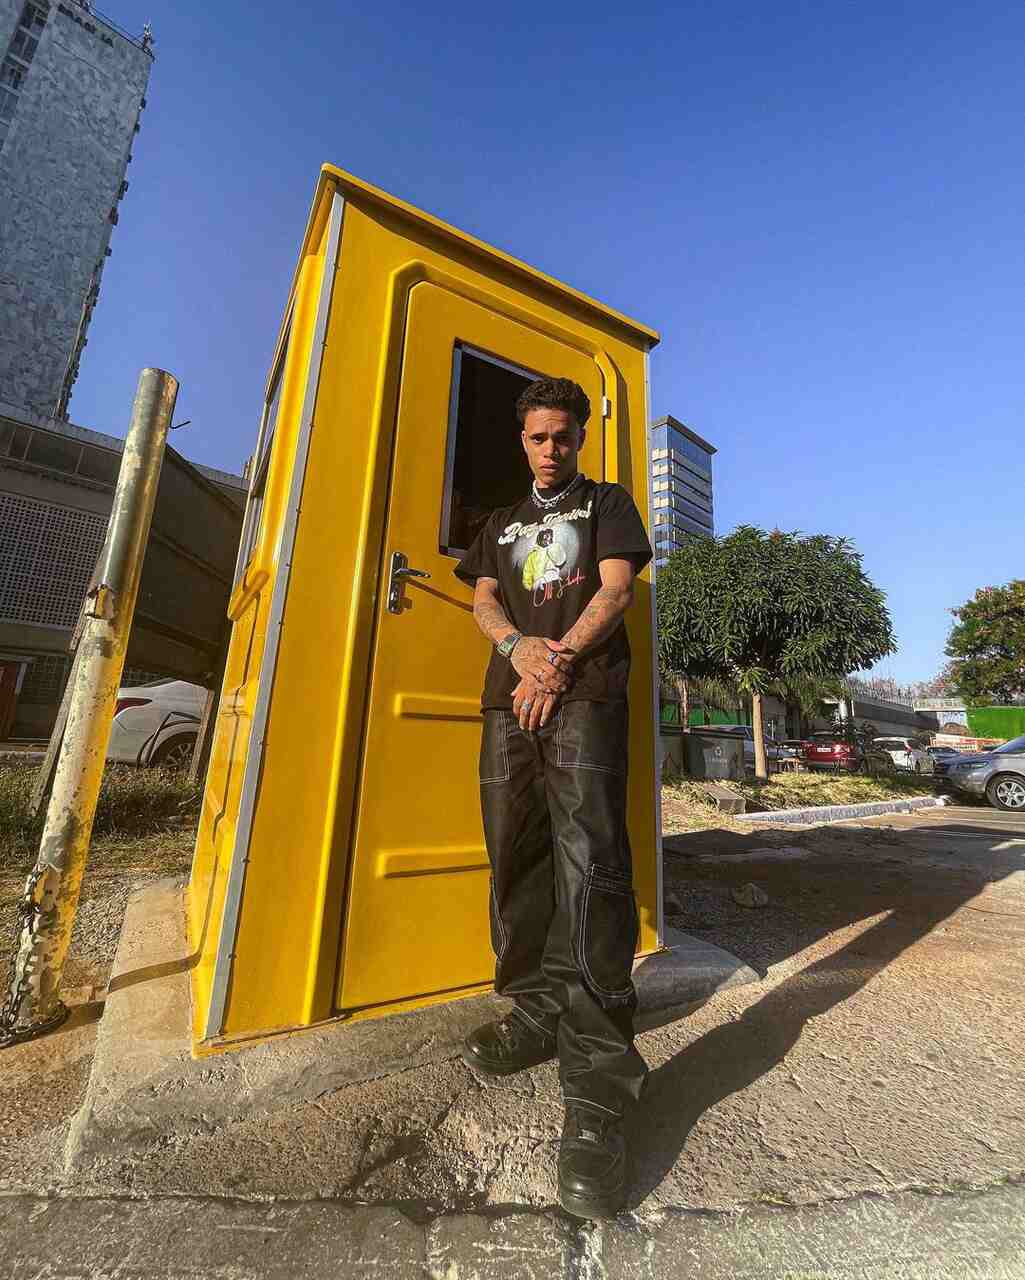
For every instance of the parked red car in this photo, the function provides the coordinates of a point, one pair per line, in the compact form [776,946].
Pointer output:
[828,751]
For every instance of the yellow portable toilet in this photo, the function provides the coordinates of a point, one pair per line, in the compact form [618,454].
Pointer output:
[340,868]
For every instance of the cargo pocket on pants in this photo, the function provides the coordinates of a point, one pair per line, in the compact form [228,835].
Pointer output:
[499,937]
[608,932]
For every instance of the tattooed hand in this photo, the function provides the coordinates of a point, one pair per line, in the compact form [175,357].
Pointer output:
[549,662]
[532,705]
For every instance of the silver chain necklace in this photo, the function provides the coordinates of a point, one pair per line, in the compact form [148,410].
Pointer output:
[546,503]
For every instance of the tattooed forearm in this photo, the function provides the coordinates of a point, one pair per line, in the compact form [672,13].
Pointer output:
[600,618]
[492,621]
[489,614]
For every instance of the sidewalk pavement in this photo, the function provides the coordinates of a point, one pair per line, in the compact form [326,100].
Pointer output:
[857,1112]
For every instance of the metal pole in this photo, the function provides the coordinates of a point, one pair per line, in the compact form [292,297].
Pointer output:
[33,1005]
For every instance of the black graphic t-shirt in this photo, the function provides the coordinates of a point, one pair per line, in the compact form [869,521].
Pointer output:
[545,560]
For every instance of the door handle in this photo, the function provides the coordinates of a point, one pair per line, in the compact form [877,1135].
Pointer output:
[400,570]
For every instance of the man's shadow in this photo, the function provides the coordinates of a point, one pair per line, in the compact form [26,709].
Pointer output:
[733,1056]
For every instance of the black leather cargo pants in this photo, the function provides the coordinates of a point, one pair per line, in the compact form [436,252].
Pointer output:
[563,916]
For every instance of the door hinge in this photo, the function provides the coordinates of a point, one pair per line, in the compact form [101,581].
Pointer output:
[606,407]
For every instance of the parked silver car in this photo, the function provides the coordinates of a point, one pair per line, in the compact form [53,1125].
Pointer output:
[999,775]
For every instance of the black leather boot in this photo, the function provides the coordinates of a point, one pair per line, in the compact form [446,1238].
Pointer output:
[592,1163]
[509,1045]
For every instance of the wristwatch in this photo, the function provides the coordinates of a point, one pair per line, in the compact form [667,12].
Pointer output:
[509,643]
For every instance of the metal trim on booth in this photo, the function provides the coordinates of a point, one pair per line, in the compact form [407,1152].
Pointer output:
[254,758]
[656,679]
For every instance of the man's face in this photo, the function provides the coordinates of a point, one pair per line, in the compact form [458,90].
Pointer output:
[552,441]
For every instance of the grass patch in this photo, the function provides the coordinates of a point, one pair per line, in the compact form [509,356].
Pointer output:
[687,804]
[797,790]
[135,806]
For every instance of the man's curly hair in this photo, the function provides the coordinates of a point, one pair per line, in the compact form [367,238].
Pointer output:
[554,393]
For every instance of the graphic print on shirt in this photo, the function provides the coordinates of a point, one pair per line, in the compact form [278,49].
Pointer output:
[546,555]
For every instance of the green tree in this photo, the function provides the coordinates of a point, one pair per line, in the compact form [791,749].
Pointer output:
[757,612]
[987,645]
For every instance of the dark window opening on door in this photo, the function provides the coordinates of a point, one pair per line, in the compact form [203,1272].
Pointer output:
[485,466]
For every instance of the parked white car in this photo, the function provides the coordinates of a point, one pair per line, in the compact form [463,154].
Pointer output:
[906,753]
[157,723]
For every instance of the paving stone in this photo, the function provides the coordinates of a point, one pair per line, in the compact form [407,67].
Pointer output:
[910,1236]
[517,1246]
[190,1239]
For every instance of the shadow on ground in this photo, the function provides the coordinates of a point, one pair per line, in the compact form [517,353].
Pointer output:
[846,876]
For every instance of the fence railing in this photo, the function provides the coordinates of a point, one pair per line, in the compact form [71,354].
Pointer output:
[894,698]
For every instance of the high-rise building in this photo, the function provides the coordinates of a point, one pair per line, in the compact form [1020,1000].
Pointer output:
[72,87]
[681,482]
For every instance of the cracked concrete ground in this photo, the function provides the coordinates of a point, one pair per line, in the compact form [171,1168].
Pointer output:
[880,1057]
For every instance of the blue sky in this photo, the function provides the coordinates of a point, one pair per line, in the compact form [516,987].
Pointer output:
[820,206]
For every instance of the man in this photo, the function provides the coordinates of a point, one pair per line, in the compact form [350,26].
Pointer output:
[553,577]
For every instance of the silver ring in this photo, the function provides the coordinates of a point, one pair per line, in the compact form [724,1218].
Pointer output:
[551,656]
[526,705]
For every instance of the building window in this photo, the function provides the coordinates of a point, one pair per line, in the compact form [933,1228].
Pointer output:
[688,449]
[48,552]
[34,15]
[24,45]
[14,439]
[686,525]
[12,73]
[694,491]
[55,453]
[692,510]
[45,679]
[20,53]
[96,464]
[689,474]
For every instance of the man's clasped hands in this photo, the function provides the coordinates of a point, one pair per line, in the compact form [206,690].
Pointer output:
[545,668]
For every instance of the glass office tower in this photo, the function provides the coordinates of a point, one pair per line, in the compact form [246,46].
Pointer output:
[681,482]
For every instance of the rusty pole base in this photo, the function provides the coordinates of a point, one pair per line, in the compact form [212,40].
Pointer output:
[10,1036]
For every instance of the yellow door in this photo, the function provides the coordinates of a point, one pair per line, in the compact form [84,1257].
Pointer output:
[417,907]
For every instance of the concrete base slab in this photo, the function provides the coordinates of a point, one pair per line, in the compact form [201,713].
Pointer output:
[145,1084]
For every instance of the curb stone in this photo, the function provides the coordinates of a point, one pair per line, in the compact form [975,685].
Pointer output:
[911,1235]
[838,812]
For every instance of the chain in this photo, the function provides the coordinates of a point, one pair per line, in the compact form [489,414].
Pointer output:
[546,503]
[19,985]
